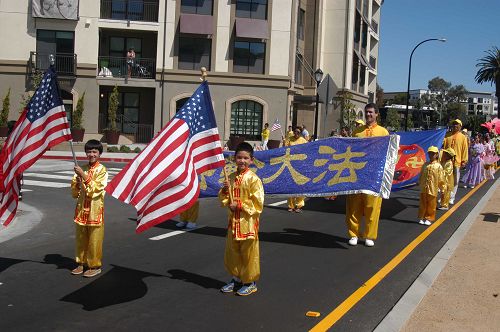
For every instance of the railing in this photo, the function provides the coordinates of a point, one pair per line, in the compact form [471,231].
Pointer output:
[375,26]
[130,10]
[373,62]
[110,66]
[65,63]
[143,133]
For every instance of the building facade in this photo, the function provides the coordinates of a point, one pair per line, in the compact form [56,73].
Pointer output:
[260,56]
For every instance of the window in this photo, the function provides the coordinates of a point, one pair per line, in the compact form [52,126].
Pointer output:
[256,9]
[52,42]
[298,70]
[471,107]
[200,7]
[480,100]
[479,107]
[194,53]
[246,119]
[179,103]
[355,72]
[301,17]
[118,46]
[129,107]
[249,57]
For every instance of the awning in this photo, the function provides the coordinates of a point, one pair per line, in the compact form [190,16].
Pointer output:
[196,24]
[252,28]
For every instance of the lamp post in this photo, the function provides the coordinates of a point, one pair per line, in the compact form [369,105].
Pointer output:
[409,75]
[318,76]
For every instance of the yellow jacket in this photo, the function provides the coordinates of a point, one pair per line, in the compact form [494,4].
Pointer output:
[460,144]
[248,193]
[295,141]
[90,195]
[449,179]
[432,178]
[265,134]
[370,131]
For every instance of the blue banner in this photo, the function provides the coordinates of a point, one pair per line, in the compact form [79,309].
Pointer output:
[333,166]
[412,155]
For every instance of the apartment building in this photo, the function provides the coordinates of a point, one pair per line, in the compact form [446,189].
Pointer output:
[261,56]
[482,103]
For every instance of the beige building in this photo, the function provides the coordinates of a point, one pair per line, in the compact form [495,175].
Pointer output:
[260,54]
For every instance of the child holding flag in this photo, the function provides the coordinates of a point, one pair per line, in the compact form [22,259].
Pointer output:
[431,179]
[243,194]
[447,162]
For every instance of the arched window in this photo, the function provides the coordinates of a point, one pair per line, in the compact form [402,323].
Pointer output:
[179,103]
[360,115]
[246,119]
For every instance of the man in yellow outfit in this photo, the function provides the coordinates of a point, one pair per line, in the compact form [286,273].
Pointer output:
[295,204]
[456,140]
[359,205]
[265,136]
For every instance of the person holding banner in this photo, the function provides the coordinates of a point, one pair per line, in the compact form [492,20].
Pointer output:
[359,205]
[243,194]
[456,140]
[295,204]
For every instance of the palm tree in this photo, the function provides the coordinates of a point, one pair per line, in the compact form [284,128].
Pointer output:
[489,69]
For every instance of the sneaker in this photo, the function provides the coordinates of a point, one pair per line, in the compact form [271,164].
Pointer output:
[78,270]
[247,289]
[369,243]
[452,202]
[91,273]
[421,222]
[442,208]
[298,210]
[291,210]
[465,187]
[181,224]
[229,287]
[353,241]
[191,225]
[427,223]
[472,187]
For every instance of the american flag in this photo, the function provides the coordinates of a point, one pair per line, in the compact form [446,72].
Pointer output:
[162,181]
[276,125]
[42,125]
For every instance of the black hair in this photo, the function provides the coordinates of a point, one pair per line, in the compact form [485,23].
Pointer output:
[93,144]
[244,146]
[372,105]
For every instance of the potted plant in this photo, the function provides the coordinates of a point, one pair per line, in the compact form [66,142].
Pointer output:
[111,133]
[77,130]
[4,115]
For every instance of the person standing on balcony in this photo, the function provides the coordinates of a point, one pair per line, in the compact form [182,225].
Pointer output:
[130,60]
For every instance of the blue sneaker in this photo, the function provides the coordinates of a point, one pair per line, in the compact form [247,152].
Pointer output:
[229,287]
[247,289]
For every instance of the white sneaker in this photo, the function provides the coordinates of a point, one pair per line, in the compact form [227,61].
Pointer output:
[181,224]
[369,243]
[472,187]
[421,222]
[427,223]
[452,201]
[353,241]
[191,225]
[443,208]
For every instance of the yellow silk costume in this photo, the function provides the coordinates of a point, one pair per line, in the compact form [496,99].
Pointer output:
[296,202]
[359,205]
[265,134]
[241,257]
[89,214]
[460,144]
[191,214]
[431,180]
[449,183]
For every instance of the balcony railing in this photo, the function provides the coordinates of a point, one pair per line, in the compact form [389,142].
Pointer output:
[65,63]
[375,26]
[110,66]
[130,10]
[143,133]
[373,62]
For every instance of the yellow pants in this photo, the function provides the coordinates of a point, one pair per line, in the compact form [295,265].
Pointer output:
[89,245]
[242,259]
[191,214]
[359,205]
[296,202]
[427,208]
[445,198]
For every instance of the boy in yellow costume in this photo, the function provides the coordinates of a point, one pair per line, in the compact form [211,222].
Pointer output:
[87,187]
[245,203]
[456,140]
[295,204]
[431,180]
[359,205]
[447,161]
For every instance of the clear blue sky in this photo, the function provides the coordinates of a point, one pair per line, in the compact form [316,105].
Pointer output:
[470,27]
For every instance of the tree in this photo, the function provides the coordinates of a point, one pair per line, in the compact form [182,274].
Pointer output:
[399,99]
[77,119]
[439,85]
[112,108]
[456,110]
[489,69]
[4,115]
[474,122]
[457,94]
[410,121]
[379,96]
[36,79]
[347,109]
[393,120]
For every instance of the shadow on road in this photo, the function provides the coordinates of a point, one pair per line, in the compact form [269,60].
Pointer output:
[205,282]
[118,285]
[59,261]
[5,263]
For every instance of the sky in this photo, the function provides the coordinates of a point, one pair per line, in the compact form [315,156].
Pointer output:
[470,27]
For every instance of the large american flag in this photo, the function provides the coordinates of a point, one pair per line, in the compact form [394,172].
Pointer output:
[162,181]
[42,125]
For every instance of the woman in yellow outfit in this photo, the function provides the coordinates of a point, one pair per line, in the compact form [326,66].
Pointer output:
[359,205]
[295,204]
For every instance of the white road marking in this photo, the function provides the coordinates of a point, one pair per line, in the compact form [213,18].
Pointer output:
[48,176]
[277,203]
[174,233]
[45,184]
[25,190]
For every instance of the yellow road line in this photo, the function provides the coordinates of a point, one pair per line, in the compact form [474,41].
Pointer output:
[355,297]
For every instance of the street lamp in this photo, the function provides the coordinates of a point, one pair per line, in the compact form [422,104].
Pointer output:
[318,76]
[409,75]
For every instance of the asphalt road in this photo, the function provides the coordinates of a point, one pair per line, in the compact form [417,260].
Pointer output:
[173,283]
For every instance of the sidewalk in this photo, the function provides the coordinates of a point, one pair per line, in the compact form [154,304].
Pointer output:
[466,294]
[105,157]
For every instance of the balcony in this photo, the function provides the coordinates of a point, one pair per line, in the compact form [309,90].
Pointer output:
[373,63]
[110,66]
[65,63]
[374,26]
[130,10]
